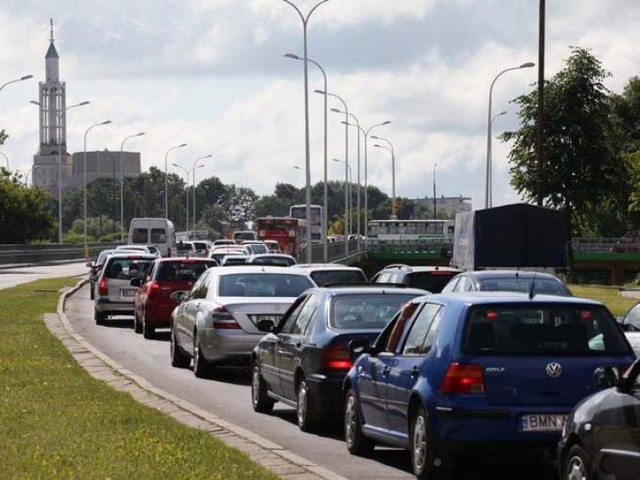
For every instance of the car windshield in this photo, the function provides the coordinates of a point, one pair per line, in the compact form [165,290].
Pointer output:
[546,286]
[258,248]
[127,268]
[180,270]
[551,329]
[358,311]
[433,282]
[322,277]
[263,285]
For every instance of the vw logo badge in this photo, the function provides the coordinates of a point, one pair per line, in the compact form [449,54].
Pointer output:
[554,370]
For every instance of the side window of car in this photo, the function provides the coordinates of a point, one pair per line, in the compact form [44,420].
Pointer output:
[297,308]
[150,273]
[451,286]
[416,336]
[306,314]
[464,285]
[433,332]
[201,287]
[633,316]
[383,278]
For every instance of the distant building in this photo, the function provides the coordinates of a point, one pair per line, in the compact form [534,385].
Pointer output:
[446,207]
[52,150]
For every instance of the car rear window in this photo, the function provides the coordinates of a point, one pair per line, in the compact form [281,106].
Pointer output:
[158,235]
[551,329]
[127,268]
[181,270]
[322,277]
[139,235]
[358,311]
[275,261]
[263,285]
[433,282]
[512,284]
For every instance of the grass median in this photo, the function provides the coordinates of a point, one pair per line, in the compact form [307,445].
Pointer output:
[609,295]
[58,422]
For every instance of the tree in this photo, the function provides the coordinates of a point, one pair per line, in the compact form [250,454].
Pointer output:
[580,170]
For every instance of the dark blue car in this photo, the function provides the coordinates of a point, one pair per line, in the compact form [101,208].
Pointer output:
[454,371]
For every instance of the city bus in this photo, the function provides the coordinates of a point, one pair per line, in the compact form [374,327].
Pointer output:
[300,211]
[287,231]
[397,230]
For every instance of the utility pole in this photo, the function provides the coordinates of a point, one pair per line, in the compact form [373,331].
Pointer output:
[540,132]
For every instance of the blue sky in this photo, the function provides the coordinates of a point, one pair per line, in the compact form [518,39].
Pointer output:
[211,73]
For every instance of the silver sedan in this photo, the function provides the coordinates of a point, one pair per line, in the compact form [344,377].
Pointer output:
[216,323]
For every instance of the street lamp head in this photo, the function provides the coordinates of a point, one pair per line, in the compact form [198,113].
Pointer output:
[200,166]
[292,55]
[322,92]
[176,165]
[336,110]
[527,65]
[82,104]
[106,122]
[26,77]
[297,167]
[183,145]
[139,134]
[378,146]
[338,160]
[35,103]
[386,122]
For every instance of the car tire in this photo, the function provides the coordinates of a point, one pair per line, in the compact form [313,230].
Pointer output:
[137,327]
[259,399]
[178,358]
[357,443]
[148,331]
[92,294]
[201,367]
[304,408]
[99,317]
[576,464]
[422,451]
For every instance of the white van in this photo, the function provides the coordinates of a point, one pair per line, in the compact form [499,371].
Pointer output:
[241,235]
[155,231]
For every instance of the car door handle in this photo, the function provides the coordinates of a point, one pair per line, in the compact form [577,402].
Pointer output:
[298,344]
[385,371]
[415,371]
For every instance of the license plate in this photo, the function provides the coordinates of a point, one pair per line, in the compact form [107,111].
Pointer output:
[127,293]
[542,422]
[273,318]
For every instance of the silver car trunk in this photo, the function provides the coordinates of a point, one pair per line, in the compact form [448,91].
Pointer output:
[248,311]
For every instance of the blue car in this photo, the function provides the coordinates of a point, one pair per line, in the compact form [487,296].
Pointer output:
[463,372]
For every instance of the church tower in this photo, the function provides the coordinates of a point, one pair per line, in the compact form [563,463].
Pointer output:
[52,154]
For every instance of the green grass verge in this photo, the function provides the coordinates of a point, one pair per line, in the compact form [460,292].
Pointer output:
[610,296]
[58,422]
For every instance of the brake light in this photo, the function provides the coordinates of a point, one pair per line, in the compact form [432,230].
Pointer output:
[336,357]
[463,379]
[103,287]
[492,315]
[152,289]
[223,320]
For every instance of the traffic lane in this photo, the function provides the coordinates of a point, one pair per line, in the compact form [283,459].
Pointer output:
[17,275]
[228,396]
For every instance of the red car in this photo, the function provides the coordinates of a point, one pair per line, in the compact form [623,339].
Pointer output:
[152,302]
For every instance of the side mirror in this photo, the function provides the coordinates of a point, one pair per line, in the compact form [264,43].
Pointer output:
[266,325]
[606,377]
[359,346]
[179,296]
[89,264]
[136,282]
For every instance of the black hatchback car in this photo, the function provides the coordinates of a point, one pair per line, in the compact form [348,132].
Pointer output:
[601,439]
[303,360]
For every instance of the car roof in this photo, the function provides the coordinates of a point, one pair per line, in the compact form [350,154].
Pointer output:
[345,289]
[421,268]
[480,298]
[271,255]
[138,256]
[259,269]
[509,274]
[182,259]
[328,268]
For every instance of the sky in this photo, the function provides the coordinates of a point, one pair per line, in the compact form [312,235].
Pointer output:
[212,74]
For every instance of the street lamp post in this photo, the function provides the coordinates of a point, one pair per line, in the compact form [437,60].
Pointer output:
[305,21]
[325,217]
[434,190]
[81,104]
[86,247]
[122,183]
[193,169]
[488,193]
[166,180]
[6,158]
[186,208]
[113,181]
[26,77]
[348,179]
[393,171]
[366,187]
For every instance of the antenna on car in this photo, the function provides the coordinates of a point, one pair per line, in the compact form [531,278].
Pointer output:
[533,284]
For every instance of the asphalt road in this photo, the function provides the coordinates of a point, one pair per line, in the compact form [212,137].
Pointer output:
[228,396]
[12,275]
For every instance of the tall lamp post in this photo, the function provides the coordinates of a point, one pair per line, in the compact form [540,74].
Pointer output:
[488,200]
[434,190]
[390,148]
[26,77]
[186,203]
[325,218]
[122,183]
[166,180]
[193,169]
[348,178]
[6,158]
[107,122]
[305,21]
[113,180]
[81,104]
[366,193]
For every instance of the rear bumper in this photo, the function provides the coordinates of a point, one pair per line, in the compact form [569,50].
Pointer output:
[103,305]
[228,346]
[326,393]
[159,315]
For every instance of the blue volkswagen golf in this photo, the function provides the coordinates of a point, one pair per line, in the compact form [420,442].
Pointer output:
[480,370]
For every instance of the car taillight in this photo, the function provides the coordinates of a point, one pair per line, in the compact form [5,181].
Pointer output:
[153,289]
[337,357]
[223,320]
[463,378]
[103,287]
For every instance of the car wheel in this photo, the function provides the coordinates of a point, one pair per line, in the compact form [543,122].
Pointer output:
[201,368]
[99,317]
[178,358]
[304,410]
[137,326]
[576,466]
[357,443]
[148,331]
[421,446]
[92,294]
[259,399]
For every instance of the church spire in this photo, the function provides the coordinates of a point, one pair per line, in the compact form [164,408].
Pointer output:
[51,53]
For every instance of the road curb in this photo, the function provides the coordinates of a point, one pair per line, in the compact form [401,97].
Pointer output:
[272,456]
